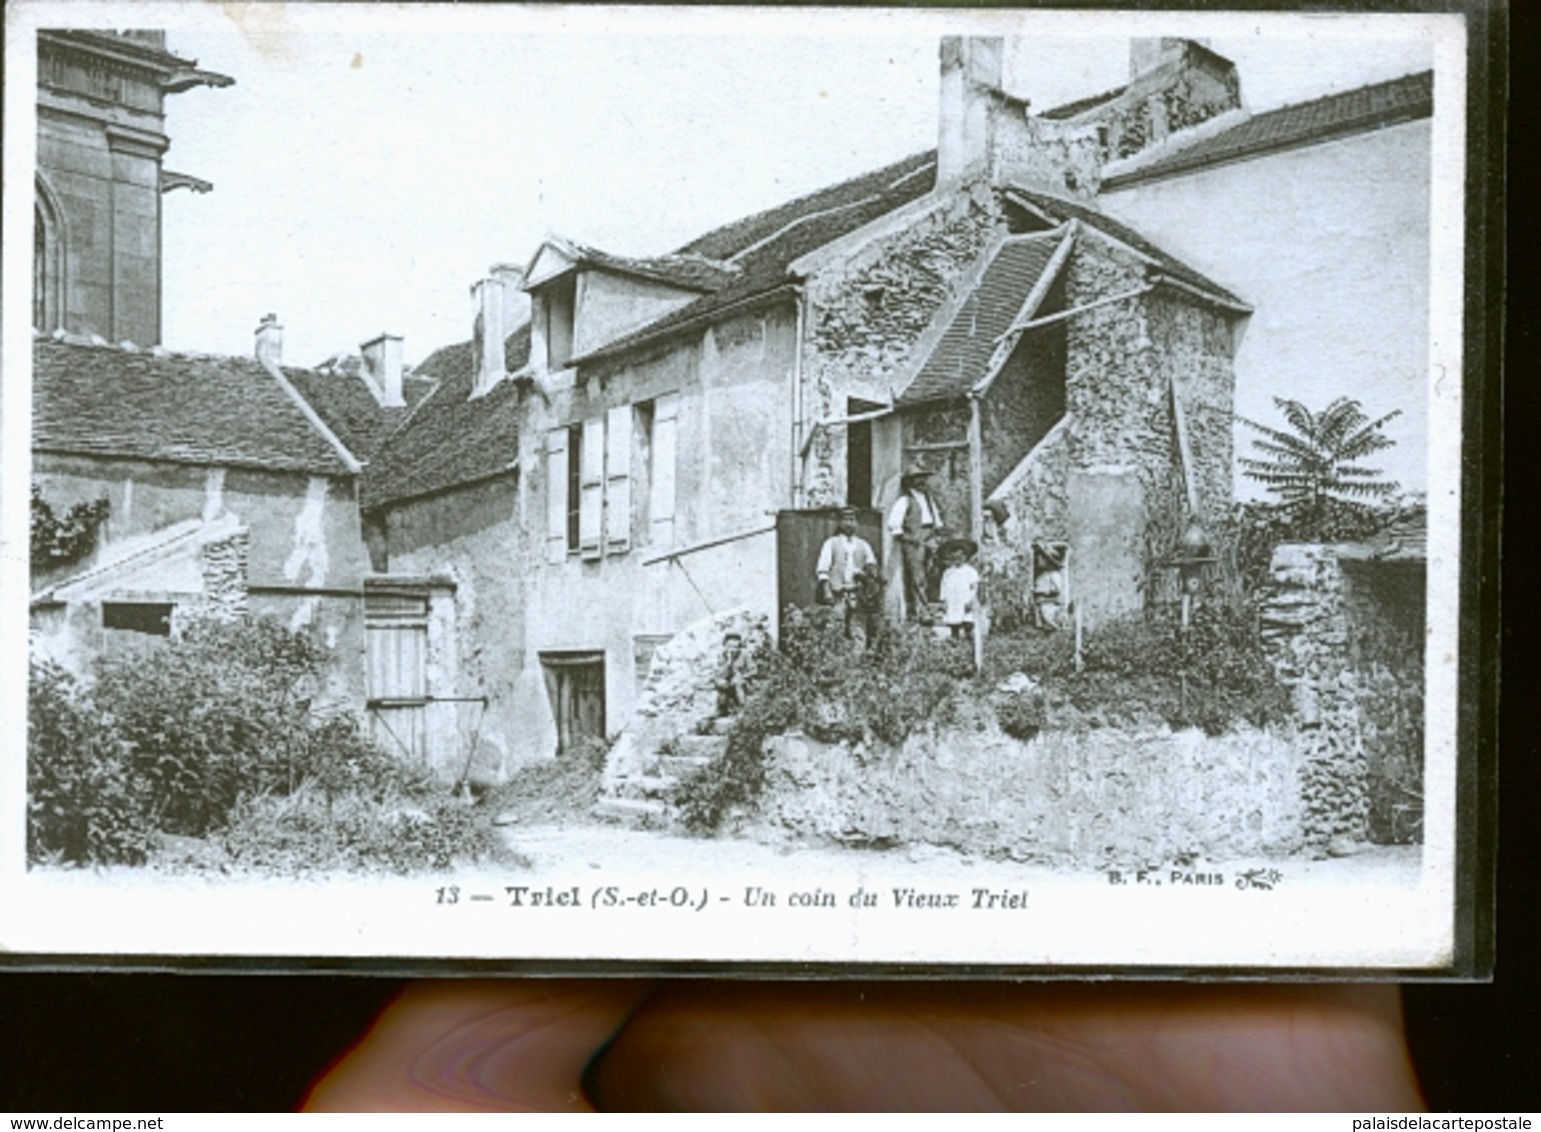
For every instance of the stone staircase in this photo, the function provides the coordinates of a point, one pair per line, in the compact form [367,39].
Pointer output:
[645,800]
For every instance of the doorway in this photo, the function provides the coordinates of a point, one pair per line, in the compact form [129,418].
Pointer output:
[575,687]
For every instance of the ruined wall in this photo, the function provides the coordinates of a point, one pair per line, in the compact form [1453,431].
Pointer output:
[865,314]
[1105,797]
[1194,346]
[1386,610]
[304,529]
[1305,630]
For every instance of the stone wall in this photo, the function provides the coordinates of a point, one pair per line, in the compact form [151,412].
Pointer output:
[866,313]
[1103,797]
[223,565]
[1305,630]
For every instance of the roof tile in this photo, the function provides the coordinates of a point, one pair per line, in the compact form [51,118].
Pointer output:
[186,408]
[962,354]
[1353,111]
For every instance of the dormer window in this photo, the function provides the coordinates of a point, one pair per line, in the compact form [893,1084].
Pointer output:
[560,303]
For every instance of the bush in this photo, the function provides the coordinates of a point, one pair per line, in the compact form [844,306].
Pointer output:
[211,735]
[219,713]
[84,803]
[1137,672]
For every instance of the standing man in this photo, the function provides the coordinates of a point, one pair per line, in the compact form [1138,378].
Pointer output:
[915,523]
[844,559]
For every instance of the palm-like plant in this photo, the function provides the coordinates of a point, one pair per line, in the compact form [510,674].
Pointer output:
[1312,466]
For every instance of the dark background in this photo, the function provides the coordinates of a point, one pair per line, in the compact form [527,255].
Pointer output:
[103,1043]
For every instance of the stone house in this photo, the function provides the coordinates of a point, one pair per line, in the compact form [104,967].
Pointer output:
[628,455]
[227,493]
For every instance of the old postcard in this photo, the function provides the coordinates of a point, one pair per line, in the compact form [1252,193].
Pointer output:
[818,491]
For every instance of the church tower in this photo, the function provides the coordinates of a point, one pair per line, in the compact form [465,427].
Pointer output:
[101,134]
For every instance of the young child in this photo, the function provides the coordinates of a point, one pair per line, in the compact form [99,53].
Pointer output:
[959,588]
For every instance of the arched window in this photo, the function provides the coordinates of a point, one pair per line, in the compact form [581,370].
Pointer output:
[47,260]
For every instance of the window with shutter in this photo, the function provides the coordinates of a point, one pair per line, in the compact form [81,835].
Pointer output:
[591,486]
[556,495]
[664,450]
[618,441]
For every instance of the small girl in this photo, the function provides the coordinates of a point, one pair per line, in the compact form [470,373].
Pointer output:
[959,588]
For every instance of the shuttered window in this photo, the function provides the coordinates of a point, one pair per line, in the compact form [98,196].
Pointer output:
[591,504]
[556,495]
[663,453]
[618,442]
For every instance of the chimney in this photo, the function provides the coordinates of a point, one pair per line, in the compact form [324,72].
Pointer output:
[1146,55]
[270,341]
[516,301]
[970,83]
[501,305]
[382,369]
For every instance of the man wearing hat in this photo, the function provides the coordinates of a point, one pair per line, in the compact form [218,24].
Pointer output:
[915,523]
[843,560]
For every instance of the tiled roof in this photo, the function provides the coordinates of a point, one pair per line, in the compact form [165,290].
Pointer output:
[690,271]
[1304,123]
[350,410]
[962,354]
[447,438]
[186,408]
[1081,105]
[1058,209]
[763,245]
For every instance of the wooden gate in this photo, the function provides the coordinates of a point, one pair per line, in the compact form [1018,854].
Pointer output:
[396,655]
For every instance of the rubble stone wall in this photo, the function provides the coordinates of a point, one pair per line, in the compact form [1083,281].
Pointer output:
[1305,630]
[1105,796]
[223,565]
[866,313]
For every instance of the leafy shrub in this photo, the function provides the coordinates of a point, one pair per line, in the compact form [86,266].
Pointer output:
[1022,716]
[84,803]
[1138,672]
[211,735]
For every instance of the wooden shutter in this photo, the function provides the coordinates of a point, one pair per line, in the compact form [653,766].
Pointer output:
[618,440]
[661,478]
[556,495]
[591,488]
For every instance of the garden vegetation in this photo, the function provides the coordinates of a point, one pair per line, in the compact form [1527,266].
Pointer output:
[203,750]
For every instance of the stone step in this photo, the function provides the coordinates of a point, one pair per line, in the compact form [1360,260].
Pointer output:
[709,747]
[632,810]
[723,724]
[648,785]
[681,767]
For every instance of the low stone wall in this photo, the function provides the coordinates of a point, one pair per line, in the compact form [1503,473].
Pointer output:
[1096,797]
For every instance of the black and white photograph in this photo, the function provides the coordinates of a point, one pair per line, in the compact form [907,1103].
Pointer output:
[886,490]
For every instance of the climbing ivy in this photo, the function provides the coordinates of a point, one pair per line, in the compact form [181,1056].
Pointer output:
[61,538]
